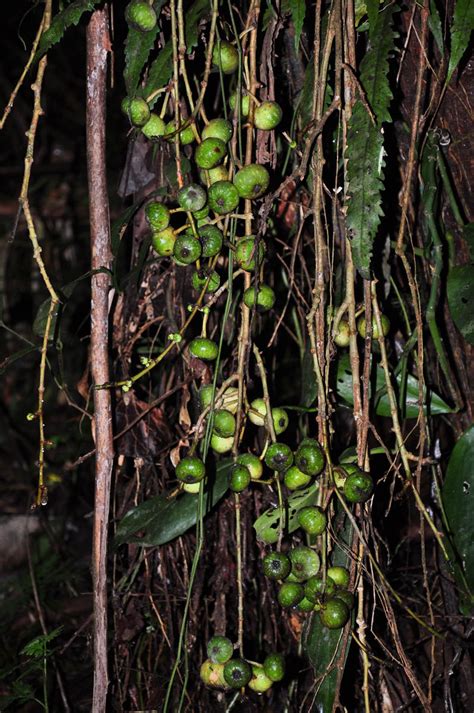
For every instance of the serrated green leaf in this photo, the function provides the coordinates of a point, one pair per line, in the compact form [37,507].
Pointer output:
[192,19]
[374,66]
[138,46]
[365,155]
[460,289]
[160,72]
[267,526]
[38,647]
[161,520]
[324,647]
[461,29]
[458,500]
[372,12]
[298,12]
[365,151]
[435,406]
[71,15]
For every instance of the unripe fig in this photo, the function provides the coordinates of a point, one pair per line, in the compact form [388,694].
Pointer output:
[192,197]
[305,562]
[259,681]
[253,463]
[362,326]
[220,649]
[163,241]
[249,253]
[154,127]
[218,129]
[279,457]
[157,215]
[244,104]
[141,16]
[276,565]
[274,666]
[212,674]
[223,197]
[252,181]
[203,348]
[225,56]
[237,673]
[190,470]
[267,116]
[262,299]
[210,153]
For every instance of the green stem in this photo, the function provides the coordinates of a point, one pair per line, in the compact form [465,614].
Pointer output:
[449,188]
[429,197]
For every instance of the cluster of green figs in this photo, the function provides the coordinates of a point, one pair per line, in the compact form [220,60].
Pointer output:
[297,469]
[303,585]
[223,670]
[189,231]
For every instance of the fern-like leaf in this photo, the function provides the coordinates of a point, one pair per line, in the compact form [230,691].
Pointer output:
[365,173]
[160,72]
[138,46]
[461,29]
[71,15]
[161,68]
[193,17]
[375,65]
[365,151]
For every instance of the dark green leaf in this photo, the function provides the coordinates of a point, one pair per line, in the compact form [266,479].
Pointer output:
[41,319]
[15,357]
[298,12]
[61,22]
[160,520]
[365,151]
[372,12]
[192,19]
[305,100]
[365,155]
[458,500]
[460,290]
[120,223]
[267,526]
[324,647]
[374,66]
[461,29]
[39,324]
[344,391]
[160,72]
[434,23]
[138,46]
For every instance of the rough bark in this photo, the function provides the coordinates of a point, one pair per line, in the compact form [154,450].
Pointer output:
[97,48]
